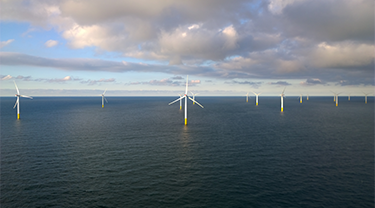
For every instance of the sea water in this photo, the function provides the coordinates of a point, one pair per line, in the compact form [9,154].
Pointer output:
[137,152]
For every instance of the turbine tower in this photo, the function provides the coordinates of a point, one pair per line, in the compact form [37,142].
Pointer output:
[337,98]
[18,95]
[194,96]
[365,97]
[186,98]
[334,96]
[282,100]
[247,97]
[103,98]
[256,97]
[180,101]
[300,98]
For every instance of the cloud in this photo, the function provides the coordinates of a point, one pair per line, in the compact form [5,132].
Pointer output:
[312,82]
[285,39]
[177,77]
[51,43]
[6,77]
[280,83]
[4,43]
[253,84]
[94,82]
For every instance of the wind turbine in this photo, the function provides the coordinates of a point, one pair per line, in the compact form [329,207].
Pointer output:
[365,96]
[18,100]
[334,96]
[247,97]
[307,97]
[337,98]
[194,96]
[282,100]
[300,98]
[186,98]
[349,96]
[256,97]
[180,101]
[103,98]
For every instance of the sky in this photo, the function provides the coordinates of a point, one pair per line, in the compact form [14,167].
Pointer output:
[148,48]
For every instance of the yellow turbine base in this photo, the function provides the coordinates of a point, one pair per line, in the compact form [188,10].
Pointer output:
[257,104]
[307,98]
[102,106]
[185,121]
[247,101]
[282,109]
[180,107]
[300,101]
[193,103]
[366,102]
[337,104]
[18,116]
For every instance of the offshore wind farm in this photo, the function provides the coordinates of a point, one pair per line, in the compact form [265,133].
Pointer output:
[200,103]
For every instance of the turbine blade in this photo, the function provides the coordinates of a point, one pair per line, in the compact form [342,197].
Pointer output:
[25,96]
[283,91]
[177,100]
[104,91]
[106,100]
[16,103]
[18,92]
[195,102]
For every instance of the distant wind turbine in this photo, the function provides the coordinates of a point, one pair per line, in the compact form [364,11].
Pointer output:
[307,97]
[300,98]
[282,100]
[349,96]
[256,97]
[18,100]
[334,96]
[180,101]
[365,96]
[337,98]
[186,98]
[103,98]
[247,97]
[194,96]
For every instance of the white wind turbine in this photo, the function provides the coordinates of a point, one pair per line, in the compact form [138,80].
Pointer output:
[180,101]
[247,97]
[186,97]
[349,96]
[300,98]
[282,100]
[18,100]
[103,98]
[334,96]
[307,97]
[337,98]
[365,96]
[256,97]
[194,96]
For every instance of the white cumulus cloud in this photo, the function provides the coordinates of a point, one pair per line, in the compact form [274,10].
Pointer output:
[51,43]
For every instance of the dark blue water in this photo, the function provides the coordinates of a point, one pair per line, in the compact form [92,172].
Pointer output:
[136,152]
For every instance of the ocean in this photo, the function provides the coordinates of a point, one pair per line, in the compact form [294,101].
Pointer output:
[137,152]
